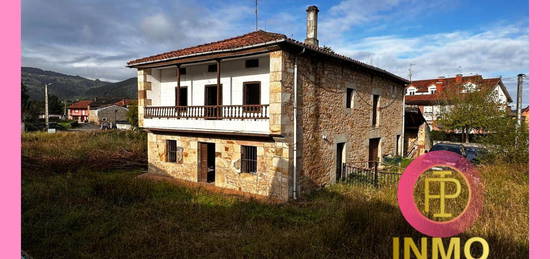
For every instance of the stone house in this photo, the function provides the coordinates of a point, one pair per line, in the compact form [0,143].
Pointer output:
[428,94]
[266,114]
[108,113]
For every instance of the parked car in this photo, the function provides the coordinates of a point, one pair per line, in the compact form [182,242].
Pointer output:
[474,154]
[455,148]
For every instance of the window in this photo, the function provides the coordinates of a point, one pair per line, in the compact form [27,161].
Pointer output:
[183,71]
[213,68]
[411,91]
[248,159]
[171,150]
[375,101]
[350,96]
[183,96]
[432,89]
[249,63]
[251,93]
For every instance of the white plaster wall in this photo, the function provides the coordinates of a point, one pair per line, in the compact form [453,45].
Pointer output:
[233,75]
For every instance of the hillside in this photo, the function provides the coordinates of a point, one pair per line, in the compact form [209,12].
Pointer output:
[74,87]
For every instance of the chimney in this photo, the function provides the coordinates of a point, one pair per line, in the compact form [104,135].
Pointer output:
[458,78]
[311,33]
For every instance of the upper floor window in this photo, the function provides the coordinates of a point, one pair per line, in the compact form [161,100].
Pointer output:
[432,89]
[251,93]
[411,91]
[469,87]
[249,159]
[183,70]
[183,96]
[350,97]
[375,103]
[212,68]
[250,63]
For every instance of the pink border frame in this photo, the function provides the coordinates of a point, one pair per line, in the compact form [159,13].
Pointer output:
[539,175]
[10,108]
[539,211]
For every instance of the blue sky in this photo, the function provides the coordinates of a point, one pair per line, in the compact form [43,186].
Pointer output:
[95,38]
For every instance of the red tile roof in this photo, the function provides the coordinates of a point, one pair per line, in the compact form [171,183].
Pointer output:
[251,39]
[442,84]
[81,104]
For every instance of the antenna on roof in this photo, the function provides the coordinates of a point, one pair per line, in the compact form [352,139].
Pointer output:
[410,72]
[256,15]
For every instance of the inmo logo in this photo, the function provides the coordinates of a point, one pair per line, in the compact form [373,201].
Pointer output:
[440,194]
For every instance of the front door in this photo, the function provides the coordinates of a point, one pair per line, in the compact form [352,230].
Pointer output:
[374,144]
[207,162]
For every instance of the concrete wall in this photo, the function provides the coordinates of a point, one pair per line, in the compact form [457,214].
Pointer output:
[108,113]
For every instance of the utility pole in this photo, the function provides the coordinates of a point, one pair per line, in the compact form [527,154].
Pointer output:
[46,112]
[519,98]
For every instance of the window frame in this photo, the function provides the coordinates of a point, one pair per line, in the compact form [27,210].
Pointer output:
[249,159]
[246,92]
[255,61]
[215,66]
[375,114]
[350,97]
[171,155]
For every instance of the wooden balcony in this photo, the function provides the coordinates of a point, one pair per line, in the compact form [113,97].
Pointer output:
[209,112]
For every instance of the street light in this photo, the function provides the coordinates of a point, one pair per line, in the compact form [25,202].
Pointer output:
[46,112]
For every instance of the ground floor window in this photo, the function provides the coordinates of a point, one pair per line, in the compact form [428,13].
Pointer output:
[249,159]
[171,150]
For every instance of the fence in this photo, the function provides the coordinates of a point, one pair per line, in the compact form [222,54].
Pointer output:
[367,175]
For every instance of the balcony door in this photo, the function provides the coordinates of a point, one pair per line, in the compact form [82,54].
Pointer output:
[211,101]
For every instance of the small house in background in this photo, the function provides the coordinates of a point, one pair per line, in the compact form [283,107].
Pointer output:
[417,133]
[78,111]
[108,113]
[525,114]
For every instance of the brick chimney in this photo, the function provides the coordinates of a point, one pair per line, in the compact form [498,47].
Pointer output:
[311,33]
[458,78]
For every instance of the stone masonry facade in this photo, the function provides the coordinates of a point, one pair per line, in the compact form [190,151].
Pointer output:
[323,122]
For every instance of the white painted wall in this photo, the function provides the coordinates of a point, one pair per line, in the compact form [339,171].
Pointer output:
[233,76]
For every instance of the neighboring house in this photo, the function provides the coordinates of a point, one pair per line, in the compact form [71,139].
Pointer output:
[417,133]
[525,114]
[428,95]
[224,113]
[78,111]
[108,113]
[126,102]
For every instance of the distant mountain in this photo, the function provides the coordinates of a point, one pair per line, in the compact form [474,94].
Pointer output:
[123,89]
[70,87]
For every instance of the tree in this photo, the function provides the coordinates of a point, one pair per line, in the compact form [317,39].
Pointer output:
[469,110]
[133,116]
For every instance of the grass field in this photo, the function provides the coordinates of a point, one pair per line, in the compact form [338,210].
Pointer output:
[81,200]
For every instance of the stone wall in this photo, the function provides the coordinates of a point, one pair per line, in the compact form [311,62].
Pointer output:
[144,85]
[324,121]
[272,178]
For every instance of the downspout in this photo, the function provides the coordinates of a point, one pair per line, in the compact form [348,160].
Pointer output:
[402,140]
[295,128]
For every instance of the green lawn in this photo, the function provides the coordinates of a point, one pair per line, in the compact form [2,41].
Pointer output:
[82,202]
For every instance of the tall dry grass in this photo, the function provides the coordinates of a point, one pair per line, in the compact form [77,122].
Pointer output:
[90,213]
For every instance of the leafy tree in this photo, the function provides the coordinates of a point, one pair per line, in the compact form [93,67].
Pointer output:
[133,116]
[469,110]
